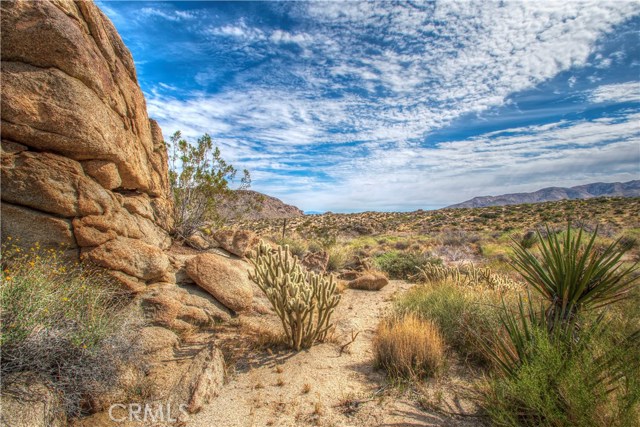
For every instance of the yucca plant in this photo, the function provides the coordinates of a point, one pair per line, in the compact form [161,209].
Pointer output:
[571,275]
[518,341]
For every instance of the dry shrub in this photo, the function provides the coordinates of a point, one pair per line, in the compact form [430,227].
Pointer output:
[409,347]
[67,323]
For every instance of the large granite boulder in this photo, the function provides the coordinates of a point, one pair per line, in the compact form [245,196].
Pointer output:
[30,402]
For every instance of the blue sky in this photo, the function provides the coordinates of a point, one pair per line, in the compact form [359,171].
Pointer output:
[388,106]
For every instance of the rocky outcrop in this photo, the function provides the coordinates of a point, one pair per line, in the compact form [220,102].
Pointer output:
[226,282]
[31,404]
[85,170]
[237,242]
[83,167]
[316,261]
[182,308]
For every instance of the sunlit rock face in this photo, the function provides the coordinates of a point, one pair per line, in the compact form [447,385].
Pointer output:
[82,164]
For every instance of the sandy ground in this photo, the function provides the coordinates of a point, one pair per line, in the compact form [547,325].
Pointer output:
[331,386]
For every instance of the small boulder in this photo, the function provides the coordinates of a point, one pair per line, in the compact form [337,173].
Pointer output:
[157,338]
[226,282]
[196,241]
[370,281]
[237,242]
[131,256]
[28,402]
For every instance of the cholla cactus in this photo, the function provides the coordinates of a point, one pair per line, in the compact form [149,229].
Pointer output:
[303,301]
[467,276]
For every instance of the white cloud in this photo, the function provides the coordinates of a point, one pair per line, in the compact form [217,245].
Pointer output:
[372,80]
[520,159]
[169,15]
[614,93]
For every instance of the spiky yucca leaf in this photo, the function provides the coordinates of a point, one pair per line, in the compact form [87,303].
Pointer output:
[572,275]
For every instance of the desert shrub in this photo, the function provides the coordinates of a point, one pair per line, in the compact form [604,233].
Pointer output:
[458,238]
[338,258]
[529,239]
[314,246]
[403,265]
[297,247]
[199,179]
[408,347]
[465,318]
[553,380]
[65,322]
[556,364]
[304,302]
[401,245]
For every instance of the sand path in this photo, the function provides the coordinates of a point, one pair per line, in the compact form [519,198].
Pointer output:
[323,386]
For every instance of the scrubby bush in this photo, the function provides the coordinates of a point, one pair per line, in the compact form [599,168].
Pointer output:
[465,317]
[338,258]
[529,239]
[403,265]
[557,364]
[199,179]
[552,380]
[304,302]
[458,238]
[64,322]
[297,247]
[408,347]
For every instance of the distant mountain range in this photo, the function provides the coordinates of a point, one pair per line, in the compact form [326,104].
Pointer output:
[587,191]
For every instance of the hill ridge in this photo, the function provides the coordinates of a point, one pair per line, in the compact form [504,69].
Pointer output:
[548,194]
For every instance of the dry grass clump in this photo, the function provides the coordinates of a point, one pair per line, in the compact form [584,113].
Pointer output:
[409,347]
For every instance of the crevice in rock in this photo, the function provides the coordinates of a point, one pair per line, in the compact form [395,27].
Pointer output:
[53,215]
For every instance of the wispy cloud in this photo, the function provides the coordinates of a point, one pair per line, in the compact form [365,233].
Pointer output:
[620,92]
[334,105]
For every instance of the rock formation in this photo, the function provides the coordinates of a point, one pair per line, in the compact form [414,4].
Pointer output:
[83,167]
[85,170]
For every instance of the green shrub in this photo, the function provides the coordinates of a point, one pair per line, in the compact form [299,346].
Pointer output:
[403,265]
[338,258]
[595,384]
[67,323]
[464,318]
[297,247]
[529,240]
[199,179]
[556,364]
